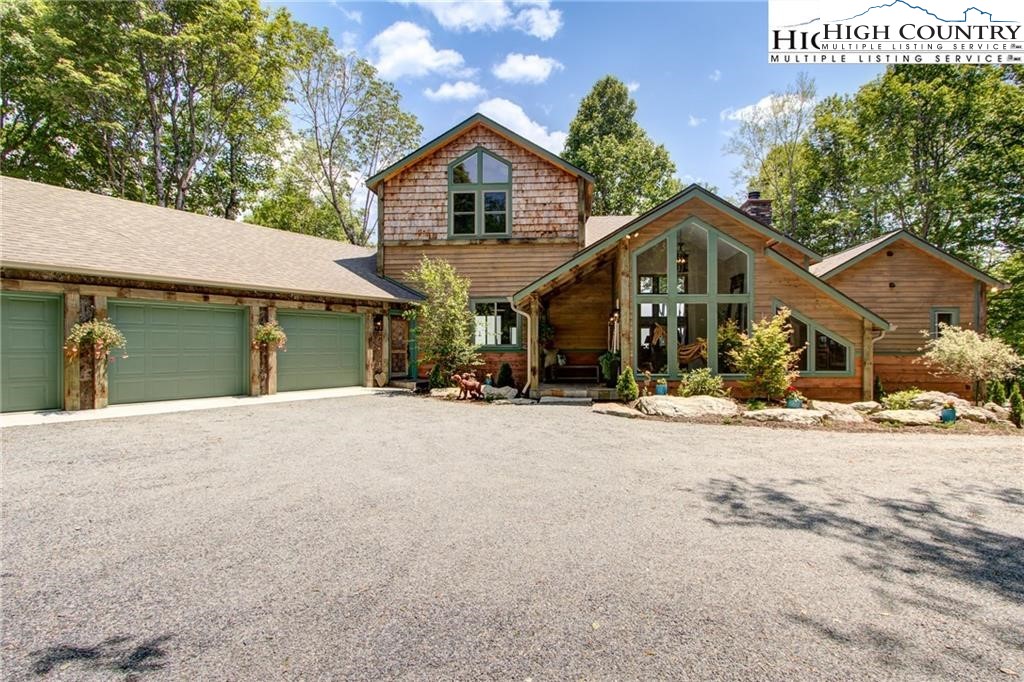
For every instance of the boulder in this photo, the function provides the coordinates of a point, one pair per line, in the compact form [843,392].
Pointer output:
[906,417]
[786,415]
[838,412]
[616,410]
[445,393]
[380,379]
[867,406]
[681,409]
[976,414]
[998,410]
[503,393]
[930,400]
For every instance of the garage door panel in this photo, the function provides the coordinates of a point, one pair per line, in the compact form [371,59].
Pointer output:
[31,337]
[324,350]
[180,351]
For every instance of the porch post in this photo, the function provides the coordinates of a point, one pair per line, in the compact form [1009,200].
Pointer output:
[867,363]
[533,339]
[625,302]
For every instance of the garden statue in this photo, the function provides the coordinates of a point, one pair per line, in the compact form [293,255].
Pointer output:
[468,385]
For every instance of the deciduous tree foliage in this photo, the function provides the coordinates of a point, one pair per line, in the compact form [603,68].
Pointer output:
[444,321]
[633,173]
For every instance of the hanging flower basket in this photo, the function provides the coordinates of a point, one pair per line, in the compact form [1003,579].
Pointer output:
[102,336]
[269,335]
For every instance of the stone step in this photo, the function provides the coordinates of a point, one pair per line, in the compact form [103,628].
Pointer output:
[410,384]
[561,400]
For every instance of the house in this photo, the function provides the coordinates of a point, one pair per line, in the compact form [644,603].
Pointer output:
[187,291]
[669,289]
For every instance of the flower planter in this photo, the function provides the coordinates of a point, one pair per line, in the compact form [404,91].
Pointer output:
[948,415]
[661,389]
[794,403]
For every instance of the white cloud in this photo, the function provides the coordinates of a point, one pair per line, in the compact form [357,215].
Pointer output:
[459,90]
[349,41]
[632,86]
[404,49]
[534,17]
[695,122]
[512,115]
[762,107]
[350,14]
[526,68]
[715,75]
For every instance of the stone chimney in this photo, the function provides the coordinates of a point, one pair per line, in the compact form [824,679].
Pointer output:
[757,208]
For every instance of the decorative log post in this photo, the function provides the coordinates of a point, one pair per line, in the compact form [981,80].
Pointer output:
[72,385]
[271,356]
[99,366]
[254,350]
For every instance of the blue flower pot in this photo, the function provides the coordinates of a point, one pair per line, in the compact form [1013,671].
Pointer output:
[794,403]
[948,415]
[661,389]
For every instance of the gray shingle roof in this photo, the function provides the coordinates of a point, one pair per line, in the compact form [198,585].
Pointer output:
[835,260]
[600,226]
[52,228]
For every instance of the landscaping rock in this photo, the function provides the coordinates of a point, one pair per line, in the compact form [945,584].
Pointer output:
[444,393]
[906,417]
[557,400]
[515,401]
[694,407]
[616,410]
[930,400]
[838,412]
[786,415]
[867,406]
[976,414]
[998,410]
[503,393]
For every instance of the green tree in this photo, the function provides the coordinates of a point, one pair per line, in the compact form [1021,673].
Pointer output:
[444,322]
[626,387]
[766,357]
[1006,307]
[352,122]
[633,173]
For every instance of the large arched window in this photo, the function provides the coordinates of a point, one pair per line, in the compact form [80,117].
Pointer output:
[694,297]
[479,195]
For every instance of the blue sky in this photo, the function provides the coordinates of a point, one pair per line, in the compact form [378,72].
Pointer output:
[527,64]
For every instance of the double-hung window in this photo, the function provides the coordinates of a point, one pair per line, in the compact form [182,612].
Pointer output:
[479,195]
[944,317]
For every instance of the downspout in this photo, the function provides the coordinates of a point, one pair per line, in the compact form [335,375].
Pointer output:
[529,345]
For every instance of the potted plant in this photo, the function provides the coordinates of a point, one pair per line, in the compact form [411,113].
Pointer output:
[794,399]
[487,379]
[269,335]
[948,413]
[609,363]
[661,387]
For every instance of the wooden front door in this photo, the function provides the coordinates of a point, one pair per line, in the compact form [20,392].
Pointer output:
[399,347]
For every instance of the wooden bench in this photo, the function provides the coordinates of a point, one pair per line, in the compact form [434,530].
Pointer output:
[577,373]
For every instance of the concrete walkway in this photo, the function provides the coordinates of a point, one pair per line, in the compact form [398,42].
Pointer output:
[168,406]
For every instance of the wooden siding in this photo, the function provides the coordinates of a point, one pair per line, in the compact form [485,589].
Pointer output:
[899,372]
[545,198]
[493,268]
[579,313]
[922,282]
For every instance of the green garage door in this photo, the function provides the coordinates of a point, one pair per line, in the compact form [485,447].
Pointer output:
[324,350]
[31,362]
[179,351]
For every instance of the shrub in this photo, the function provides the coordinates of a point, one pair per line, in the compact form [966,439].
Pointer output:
[1017,406]
[626,386]
[878,390]
[505,376]
[766,357]
[966,353]
[900,400]
[608,361]
[997,392]
[438,378]
[753,405]
[701,382]
[102,336]
[444,321]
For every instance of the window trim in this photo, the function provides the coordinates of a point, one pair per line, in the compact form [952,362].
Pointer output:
[712,298]
[518,345]
[479,188]
[812,328]
[936,311]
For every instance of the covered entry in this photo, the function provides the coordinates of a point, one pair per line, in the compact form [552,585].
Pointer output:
[31,327]
[179,351]
[325,350]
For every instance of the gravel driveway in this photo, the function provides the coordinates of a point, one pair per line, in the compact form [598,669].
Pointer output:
[399,537]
